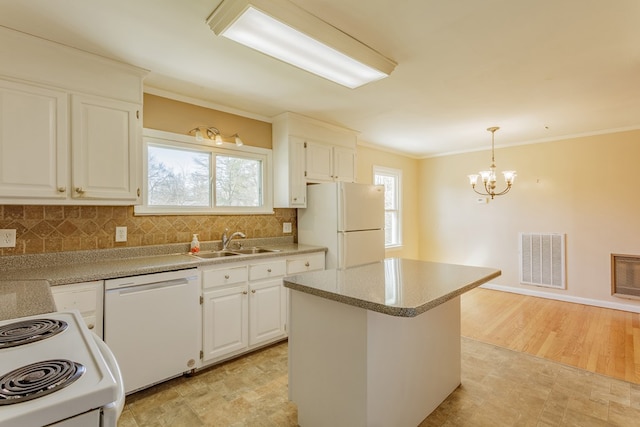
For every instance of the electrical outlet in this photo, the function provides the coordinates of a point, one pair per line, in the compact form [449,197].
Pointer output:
[286,227]
[121,234]
[8,238]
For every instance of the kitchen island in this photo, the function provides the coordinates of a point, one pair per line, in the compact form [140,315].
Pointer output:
[376,345]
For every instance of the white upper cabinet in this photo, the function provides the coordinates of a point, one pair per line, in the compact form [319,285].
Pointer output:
[319,161]
[105,149]
[71,125]
[307,151]
[33,142]
[327,163]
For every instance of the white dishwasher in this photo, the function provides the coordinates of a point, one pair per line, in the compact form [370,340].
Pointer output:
[152,323]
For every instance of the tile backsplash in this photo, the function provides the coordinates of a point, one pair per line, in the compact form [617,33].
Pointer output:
[43,229]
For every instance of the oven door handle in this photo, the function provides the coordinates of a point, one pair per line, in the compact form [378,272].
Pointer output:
[112,411]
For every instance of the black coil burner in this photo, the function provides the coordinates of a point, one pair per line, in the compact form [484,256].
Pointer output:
[28,331]
[38,379]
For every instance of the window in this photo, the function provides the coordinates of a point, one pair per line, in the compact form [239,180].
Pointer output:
[183,176]
[392,180]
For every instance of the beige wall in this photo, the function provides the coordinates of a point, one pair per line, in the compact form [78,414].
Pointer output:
[180,117]
[368,157]
[584,187]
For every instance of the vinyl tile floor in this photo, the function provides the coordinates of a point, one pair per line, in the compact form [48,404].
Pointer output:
[500,387]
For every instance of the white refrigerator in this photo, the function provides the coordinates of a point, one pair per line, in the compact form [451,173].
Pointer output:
[348,219]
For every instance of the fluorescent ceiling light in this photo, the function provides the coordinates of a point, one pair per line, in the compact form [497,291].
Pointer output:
[284,31]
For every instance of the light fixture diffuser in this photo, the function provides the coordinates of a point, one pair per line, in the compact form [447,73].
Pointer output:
[284,31]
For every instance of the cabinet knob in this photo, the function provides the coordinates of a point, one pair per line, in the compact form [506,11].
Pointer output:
[253,291]
[91,326]
[244,292]
[268,270]
[306,264]
[79,190]
[295,199]
[62,189]
[226,276]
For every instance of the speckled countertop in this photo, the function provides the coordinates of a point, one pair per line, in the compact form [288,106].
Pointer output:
[398,287]
[19,298]
[81,266]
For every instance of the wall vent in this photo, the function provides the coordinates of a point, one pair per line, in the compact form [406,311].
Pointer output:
[542,260]
[625,275]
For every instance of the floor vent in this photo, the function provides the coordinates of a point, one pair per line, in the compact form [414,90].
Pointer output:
[625,275]
[542,261]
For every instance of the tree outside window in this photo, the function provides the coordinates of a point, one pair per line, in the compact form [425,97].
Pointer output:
[183,177]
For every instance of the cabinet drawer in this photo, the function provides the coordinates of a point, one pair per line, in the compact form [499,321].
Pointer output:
[308,262]
[224,276]
[268,269]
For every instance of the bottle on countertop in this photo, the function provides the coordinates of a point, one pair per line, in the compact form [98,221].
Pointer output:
[195,244]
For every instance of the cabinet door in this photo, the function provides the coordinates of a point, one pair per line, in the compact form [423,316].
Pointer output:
[34,142]
[105,149]
[344,164]
[319,162]
[85,297]
[225,328]
[267,312]
[297,182]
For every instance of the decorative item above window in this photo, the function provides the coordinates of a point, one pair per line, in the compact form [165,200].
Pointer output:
[213,134]
[489,176]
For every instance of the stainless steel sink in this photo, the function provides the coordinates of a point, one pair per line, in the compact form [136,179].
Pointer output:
[250,251]
[215,254]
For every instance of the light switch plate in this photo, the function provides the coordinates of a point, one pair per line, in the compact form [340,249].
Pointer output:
[8,238]
[286,227]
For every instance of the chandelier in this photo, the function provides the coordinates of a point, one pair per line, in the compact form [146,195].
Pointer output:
[489,176]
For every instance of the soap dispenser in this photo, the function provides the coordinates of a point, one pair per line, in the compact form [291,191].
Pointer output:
[195,244]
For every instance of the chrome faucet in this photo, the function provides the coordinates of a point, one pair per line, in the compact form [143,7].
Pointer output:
[226,240]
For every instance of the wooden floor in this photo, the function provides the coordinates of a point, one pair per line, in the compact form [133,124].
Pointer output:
[596,339]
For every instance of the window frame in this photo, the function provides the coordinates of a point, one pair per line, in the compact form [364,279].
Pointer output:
[396,174]
[185,142]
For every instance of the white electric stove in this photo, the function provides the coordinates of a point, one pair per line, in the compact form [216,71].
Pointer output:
[55,372]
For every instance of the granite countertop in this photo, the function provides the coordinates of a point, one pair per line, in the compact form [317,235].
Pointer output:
[398,287]
[20,298]
[82,266]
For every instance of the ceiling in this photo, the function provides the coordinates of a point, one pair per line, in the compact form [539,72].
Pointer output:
[539,69]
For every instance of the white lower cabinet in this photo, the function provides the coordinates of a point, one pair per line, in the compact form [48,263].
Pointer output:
[244,307]
[225,325]
[85,297]
[267,302]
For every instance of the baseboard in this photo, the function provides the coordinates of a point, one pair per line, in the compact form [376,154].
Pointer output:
[578,300]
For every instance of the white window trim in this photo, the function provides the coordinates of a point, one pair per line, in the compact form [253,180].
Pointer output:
[189,142]
[382,170]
